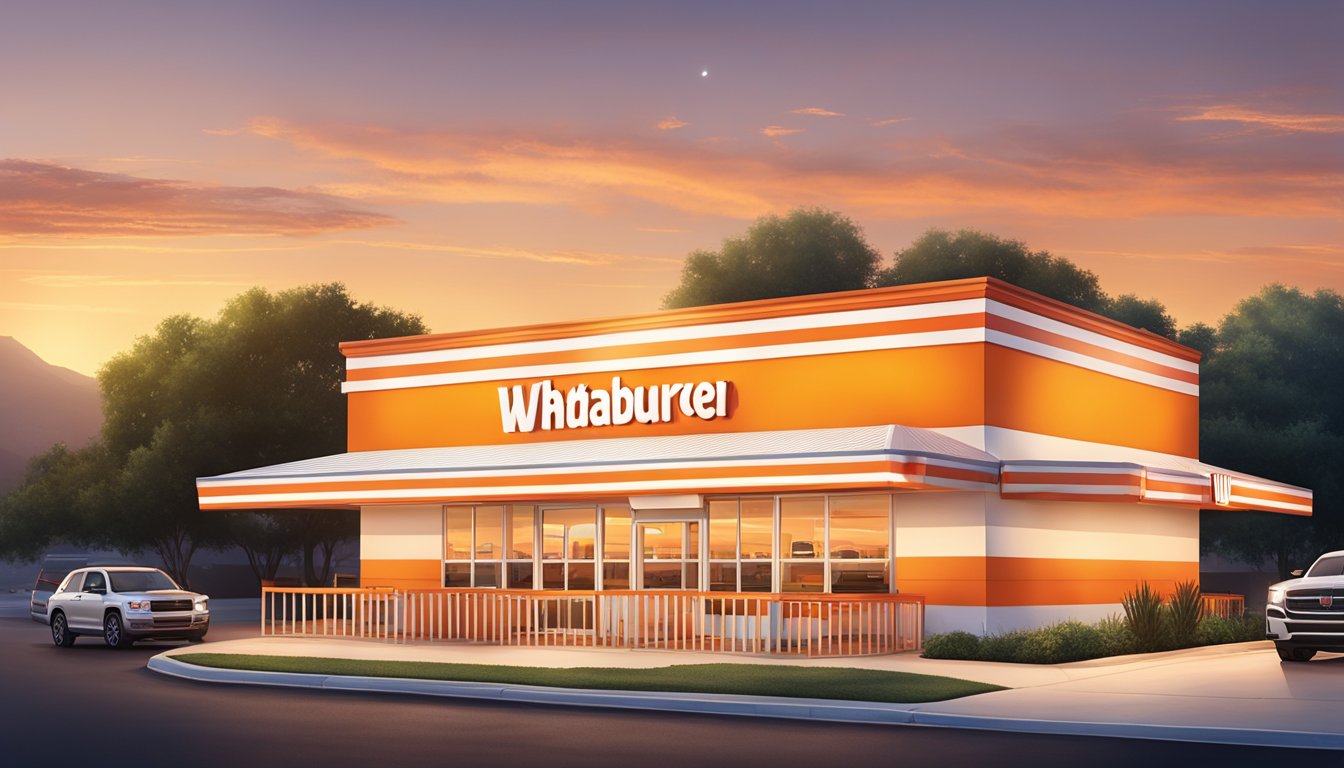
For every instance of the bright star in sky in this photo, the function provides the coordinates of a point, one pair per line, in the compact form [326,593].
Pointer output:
[704,73]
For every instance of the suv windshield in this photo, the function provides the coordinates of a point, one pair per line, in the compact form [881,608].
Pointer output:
[140,581]
[1328,566]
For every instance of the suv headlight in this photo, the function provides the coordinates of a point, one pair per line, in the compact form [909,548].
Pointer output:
[202,605]
[1275,596]
[138,605]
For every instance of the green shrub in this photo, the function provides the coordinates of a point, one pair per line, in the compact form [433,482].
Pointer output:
[1184,610]
[1077,641]
[1216,630]
[1143,615]
[1002,647]
[952,645]
[1115,637]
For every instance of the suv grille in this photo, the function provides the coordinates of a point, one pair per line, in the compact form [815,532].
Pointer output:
[159,606]
[1306,603]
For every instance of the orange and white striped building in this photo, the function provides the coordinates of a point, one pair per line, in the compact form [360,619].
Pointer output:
[1013,459]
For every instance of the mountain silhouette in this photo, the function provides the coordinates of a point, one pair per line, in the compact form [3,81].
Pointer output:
[41,404]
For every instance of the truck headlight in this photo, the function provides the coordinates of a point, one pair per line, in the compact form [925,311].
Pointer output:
[1275,596]
[138,605]
[202,605]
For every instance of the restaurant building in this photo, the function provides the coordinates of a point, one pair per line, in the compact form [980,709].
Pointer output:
[1012,460]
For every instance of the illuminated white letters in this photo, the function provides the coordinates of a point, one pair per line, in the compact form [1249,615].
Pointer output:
[580,406]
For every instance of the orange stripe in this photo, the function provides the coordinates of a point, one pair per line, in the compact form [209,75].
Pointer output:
[1124,498]
[921,325]
[354,501]
[1258,493]
[403,574]
[575,478]
[1024,581]
[1177,487]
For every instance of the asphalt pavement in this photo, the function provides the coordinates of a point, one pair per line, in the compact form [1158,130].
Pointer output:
[89,703]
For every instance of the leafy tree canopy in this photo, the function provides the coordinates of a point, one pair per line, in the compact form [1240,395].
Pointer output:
[807,251]
[258,385]
[1271,404]
[942,255]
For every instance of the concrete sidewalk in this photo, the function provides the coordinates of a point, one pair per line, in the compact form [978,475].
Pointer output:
[1236,694]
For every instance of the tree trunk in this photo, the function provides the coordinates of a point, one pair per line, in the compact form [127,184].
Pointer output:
[176,550]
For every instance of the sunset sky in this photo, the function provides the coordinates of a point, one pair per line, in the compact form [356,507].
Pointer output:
[486,164]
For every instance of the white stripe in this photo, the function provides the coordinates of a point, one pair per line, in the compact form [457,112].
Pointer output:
[570,470]
[1065,469]
[1086,490]
[1058,328]
[1173,496]
[709,357]
[1251,502]
[527,491]
[1091,363]
[772,325]
[679,333]
[773,352]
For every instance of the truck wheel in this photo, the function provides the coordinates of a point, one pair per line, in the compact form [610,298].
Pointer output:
[1290,653]
[114,634]
[60,631]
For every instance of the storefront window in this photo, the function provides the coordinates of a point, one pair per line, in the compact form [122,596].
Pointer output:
[521,547]
[616,523]
[569,534]
[457,533]
[757,528]
[860,527]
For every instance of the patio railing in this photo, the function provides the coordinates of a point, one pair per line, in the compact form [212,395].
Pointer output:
[757,623]
[1224,606]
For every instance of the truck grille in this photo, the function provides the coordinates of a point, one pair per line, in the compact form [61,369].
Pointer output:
[160,606]
[172,621]
[1306,603]
[1316,627]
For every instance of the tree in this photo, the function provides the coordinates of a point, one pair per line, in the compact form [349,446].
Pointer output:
[1270,398]
[1148,314]
[53,502]
[807,251]
[942,255]
[259,385]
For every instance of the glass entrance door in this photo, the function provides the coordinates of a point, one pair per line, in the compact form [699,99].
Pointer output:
[669,555]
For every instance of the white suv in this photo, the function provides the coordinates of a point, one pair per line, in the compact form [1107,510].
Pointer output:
[1306,615]
[125,604]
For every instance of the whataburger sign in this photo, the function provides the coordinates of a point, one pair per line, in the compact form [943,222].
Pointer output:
[545,407]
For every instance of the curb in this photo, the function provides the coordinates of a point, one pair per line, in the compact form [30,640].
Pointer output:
[819,710]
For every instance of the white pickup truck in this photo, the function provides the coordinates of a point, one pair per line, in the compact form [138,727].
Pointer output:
[1306,614]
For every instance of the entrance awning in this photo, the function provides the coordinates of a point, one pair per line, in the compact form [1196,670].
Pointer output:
[1171,481]
[888,457]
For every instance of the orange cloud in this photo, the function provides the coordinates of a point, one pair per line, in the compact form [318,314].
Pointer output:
[817,112]
[39,198]
[1286,122]
[671,124]
[1106,172]
[778,130]
[891,121]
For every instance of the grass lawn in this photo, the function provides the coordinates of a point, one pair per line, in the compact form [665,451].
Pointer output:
[754,679]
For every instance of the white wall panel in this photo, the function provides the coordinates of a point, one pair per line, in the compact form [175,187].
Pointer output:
[401,532]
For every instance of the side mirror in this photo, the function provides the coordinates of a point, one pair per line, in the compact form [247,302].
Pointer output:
[1296,574]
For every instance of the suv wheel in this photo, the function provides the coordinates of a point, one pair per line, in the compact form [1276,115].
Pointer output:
[60,631]
[114,634]
[1289,653]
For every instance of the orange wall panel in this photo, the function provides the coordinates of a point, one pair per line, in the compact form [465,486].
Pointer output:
[930,386]
[1034,394]
[403,574]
